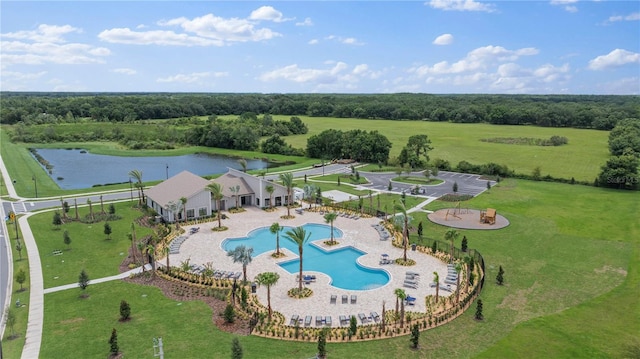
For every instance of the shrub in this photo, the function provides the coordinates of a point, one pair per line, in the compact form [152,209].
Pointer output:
[229,314]
[125,311]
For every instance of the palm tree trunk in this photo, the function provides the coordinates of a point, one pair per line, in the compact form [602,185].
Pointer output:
[402,314]
[219,213]
[269,300]
[300,276]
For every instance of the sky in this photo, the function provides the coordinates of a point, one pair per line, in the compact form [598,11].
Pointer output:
[432,46]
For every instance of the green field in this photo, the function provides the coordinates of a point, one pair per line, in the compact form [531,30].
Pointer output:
[568,263]
[581,158]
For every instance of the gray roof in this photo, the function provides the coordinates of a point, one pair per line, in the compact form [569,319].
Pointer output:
[228,180]
[184,184]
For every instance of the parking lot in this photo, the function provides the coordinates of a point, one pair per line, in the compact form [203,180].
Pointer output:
[470,184]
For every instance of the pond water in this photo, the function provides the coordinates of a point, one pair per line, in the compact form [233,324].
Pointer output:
[77,169]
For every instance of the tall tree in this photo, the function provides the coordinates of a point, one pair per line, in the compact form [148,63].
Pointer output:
[66,238]
[133,241]
[436,280]
[102,205]
[21,277]
[243,164]
[276,229]
[75,204]
[165,252]
[405,228]
[64,208]
[89,203]
[184,200]
[401,295]
[216,194]
[236,191]
[330,217]
[451,235]
[299,236]
[458,268]
[287,181]
[268,279]
[242,254]
[270,189]
[83,281]
[137,176]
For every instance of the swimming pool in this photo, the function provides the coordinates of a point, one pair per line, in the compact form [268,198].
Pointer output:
[339,264]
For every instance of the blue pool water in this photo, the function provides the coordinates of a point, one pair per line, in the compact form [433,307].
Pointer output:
[339,264]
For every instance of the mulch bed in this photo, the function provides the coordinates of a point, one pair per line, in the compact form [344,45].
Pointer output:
[177,292]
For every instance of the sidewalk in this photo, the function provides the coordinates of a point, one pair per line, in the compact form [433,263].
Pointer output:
[99,280]
[33,337]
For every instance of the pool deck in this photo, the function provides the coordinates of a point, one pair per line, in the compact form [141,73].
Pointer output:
[205,246]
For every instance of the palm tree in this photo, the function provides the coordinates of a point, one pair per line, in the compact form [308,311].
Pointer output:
[405,228]
[141,247]
[137,175]
[436,280]
[300,237]
[133,240]
[90,208]
[183,200]
[329,218]
[101,205]
[270,189]
[268,279]
[216,193]
[64,213]
[75,204]
[243,164]
[451,235]
[401,295]
[235,191]
[165,252]
[458,270]
[151,252]
[242,254]
[309,193]
[276,229]
[287,181]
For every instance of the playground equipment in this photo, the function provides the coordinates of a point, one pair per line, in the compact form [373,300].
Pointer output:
[456,211]
[488,216]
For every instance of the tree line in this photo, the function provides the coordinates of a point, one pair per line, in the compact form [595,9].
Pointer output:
[621,169]
[579,111]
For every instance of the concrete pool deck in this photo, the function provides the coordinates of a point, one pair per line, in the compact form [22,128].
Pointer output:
[205,246]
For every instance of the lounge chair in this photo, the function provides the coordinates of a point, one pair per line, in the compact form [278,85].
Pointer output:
[345,299]
[294,319]
[354,298]
[307,321]
[318,320]
[450,281]
[446,288]
[412,277]
[432,284]
[333,299]
[375,317]
[363,318]
[344,320]
[414,282]
[409,285]
[412,273]
[327,320]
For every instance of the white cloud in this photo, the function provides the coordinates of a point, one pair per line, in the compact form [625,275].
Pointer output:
[47,44]
[313,42]
[44,33]
[345,40]
[615,58]
[301,75]
[125,71]
[444,39]
[207,30]
[567,4]
[154,37]
[21,76]
[192,77]
[306,22]
[461,5]
[631,17]
[477,59]
[267,13]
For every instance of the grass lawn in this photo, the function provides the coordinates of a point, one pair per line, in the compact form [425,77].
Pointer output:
[418,180]
[89,250]
[13,348]
[569,264]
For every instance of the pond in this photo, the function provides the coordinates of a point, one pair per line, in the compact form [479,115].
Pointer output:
[77,169]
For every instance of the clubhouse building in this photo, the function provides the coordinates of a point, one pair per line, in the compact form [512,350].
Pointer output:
[238,189]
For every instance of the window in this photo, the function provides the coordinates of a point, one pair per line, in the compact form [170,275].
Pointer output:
[191,213]
[258,202]
[202,211]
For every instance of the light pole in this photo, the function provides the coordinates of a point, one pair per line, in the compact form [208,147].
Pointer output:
[35,184]
[167,171]
[130,188]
